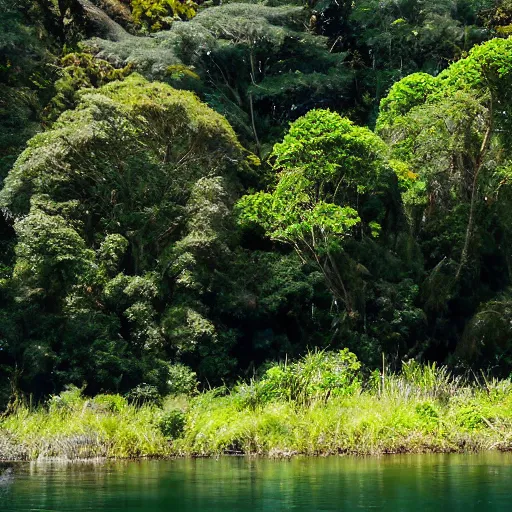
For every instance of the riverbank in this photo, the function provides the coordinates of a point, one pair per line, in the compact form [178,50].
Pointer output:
[312,407]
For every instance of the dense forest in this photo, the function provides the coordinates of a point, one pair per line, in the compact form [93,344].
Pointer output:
[211,187]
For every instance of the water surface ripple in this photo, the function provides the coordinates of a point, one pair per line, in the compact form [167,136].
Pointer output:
[396,483]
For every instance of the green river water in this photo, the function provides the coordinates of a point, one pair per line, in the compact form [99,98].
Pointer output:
[394,483]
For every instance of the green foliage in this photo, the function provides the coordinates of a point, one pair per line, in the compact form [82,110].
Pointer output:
[499,17]
[485,71]
[24,39]
[69,399]
[156,15]
[111,403]
[390,419]
[74,427]
[428,414]
[119,249]
[172,424]
[80,71]
[286,61]
[470,418]
[111,252]
[144,394]
[328,146]
[182,380]
[430,380]
[386,41]
[410,34]
[315,377]
[332,412]
[180,71]
[126,198]
[257,65]
[452,133]
[406,94]
[327,167]
[487,334]
[28,42]
[19,122]
[49,253]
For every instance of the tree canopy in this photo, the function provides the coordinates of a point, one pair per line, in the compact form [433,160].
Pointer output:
[219,186]
[329,172]
[118,211]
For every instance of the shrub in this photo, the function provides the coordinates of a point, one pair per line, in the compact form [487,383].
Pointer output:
[80,70]
[429,379]
[153,15]
[317,376]
[172,423]
[70,399]
[322,374]
[470,417]
[144,394]
[428,414]
[182,380]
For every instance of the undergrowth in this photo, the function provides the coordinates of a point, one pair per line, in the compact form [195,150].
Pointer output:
[319,405]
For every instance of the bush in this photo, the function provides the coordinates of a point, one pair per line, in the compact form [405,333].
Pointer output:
[172,424]
[182,380]
[428,415]
[470,417]
[325,374]
[153,15]
[79,70]
[144,394]
[69,400]
[316,377]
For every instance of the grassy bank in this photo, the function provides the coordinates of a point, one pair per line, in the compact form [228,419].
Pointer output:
[320,405]
[78,428]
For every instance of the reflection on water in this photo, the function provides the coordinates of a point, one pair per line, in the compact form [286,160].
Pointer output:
[399,483]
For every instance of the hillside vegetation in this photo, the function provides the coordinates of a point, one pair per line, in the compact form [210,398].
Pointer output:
[216,189]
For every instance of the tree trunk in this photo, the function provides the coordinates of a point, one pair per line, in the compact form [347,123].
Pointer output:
[474,190]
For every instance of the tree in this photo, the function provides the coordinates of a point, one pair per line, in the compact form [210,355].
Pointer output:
[109,209]
[255,64]
[329,171]
[486,337]
[28,42]
[453,133]
[453,130]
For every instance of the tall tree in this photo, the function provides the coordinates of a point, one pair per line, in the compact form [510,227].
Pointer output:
[329,170]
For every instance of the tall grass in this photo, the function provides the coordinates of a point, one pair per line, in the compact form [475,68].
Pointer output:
[331,410]
[361,424]
[320,405]
[73,427]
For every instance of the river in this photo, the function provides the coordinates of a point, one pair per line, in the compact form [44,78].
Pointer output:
[394,483]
